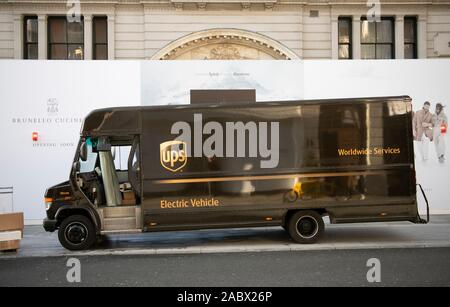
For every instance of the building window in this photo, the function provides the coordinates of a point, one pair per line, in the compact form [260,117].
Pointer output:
[100,38]
[377,39]
[30,37]
[65,39]
[345,37]
[410,35]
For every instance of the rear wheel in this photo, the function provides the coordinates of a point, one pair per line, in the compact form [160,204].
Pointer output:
[77,232]
[306,227]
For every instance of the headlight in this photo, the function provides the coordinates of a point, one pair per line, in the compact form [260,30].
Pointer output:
[48,202]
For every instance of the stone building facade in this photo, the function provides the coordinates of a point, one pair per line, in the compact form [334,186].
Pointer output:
[225,29]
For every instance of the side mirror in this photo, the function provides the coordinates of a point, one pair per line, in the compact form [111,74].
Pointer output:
[83,152]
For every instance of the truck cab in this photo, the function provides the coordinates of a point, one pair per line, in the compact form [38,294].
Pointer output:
[102,195]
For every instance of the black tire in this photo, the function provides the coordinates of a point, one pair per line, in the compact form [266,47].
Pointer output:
[306,227]
[77,232]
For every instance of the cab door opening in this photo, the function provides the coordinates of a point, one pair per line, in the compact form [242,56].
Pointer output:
[113,186]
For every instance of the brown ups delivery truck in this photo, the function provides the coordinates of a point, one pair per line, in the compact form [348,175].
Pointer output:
[289,164]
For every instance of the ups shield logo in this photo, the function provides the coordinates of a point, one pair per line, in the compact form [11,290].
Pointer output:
[173,155]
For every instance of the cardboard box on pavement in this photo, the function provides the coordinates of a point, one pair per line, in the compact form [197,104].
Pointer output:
[10,223]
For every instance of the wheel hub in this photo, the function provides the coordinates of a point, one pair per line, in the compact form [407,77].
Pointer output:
[307,227]
[76,233]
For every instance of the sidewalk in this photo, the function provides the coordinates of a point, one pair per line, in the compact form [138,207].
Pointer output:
[38,243]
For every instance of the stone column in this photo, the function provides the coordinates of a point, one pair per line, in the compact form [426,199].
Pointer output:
[111,37]
[356,37]
[88,37]
[334,38]
[422,37]
[399,37]
[18,36]
[42,37]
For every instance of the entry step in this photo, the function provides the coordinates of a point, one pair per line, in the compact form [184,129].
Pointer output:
[119,211]
[121,231]
[119,223]
[120,218]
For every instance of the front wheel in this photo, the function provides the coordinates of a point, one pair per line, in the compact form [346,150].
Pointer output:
[306,227]
[77,232]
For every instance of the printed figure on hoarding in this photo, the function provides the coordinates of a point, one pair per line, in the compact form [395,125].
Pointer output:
[440,128]
[423,130]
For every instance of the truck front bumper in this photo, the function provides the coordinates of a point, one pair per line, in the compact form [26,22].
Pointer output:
[49,225]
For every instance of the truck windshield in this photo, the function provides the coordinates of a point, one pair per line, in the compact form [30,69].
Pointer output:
[89,164]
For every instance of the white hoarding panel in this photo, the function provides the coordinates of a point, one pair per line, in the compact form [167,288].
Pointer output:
[51,99]
[422,80]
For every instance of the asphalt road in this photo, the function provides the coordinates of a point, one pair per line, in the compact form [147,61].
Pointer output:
[398,267]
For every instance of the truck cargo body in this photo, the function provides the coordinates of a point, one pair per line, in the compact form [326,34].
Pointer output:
[258,164]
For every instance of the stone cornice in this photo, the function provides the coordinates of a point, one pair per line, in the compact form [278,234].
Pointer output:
[58,8]
[266,2]
[203,5]
[223,1]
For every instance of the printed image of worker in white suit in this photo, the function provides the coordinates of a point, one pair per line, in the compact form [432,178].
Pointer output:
[440,128]
[423,130]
